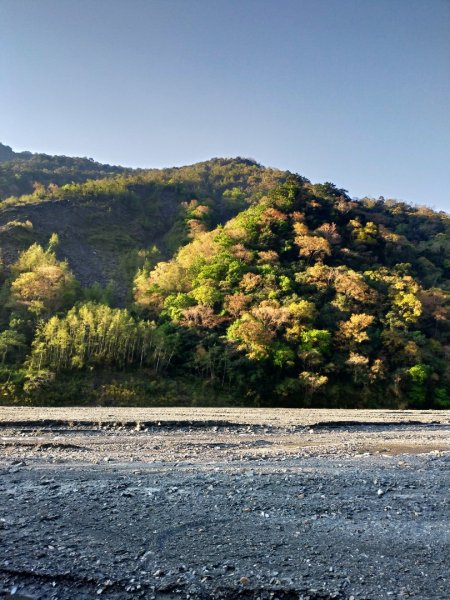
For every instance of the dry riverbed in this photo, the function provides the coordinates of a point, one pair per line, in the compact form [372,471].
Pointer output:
[224,503]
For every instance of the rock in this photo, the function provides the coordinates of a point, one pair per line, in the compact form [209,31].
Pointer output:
[159,573]
[127,494]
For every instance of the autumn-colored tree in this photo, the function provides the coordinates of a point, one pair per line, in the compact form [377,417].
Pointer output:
[312,247]
[236,304]
[354,331]
[330,232]
[251,336]
[270,314]
[199,316]
[359,367]
[312,382]
[41,282]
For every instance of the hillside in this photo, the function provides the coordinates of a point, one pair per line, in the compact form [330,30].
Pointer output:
[23,172]
[310,295]
[223,282]
[103,225]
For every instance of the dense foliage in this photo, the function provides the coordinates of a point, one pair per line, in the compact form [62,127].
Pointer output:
[309,297]
[278,292]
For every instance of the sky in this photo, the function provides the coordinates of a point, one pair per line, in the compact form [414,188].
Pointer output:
[356,92]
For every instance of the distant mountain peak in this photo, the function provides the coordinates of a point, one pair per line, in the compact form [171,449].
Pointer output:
[7,153]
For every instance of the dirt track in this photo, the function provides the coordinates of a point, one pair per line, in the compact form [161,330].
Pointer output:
[229,503]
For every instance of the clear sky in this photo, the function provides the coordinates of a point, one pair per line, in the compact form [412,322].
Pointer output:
[356,92]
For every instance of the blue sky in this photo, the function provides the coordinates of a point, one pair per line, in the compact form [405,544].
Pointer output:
[356,92]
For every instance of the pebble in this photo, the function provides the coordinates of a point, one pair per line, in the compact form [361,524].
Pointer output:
[159,573]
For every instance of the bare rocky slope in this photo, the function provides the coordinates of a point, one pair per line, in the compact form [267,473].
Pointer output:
[93,237]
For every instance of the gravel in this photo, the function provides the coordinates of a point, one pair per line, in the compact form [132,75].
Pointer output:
[229,503]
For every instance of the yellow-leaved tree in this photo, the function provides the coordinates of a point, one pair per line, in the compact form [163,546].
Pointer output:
[42,283]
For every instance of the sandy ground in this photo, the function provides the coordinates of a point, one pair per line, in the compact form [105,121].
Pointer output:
[224,503]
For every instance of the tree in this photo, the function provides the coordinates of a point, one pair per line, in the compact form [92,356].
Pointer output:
[270,314]
[314,346]
[359,366]
[312,246]
[330,232]
[312,382]
[199,316]
[354,331]
[42,283]
[252,336]
[418,375]
[10,342]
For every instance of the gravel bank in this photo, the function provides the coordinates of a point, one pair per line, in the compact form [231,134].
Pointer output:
[207,504]
[275,417]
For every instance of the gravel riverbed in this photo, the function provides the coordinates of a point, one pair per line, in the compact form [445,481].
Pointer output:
[224,503]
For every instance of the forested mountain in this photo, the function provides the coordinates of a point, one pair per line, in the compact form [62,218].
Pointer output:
[25,172]
[222,282]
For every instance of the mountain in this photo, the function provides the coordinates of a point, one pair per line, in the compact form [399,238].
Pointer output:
[22,172]
[223,282]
